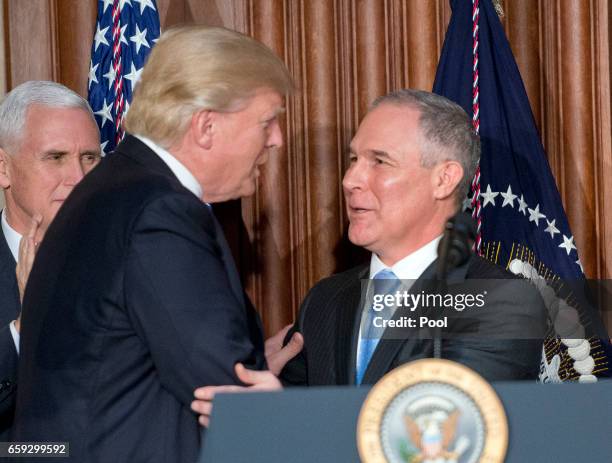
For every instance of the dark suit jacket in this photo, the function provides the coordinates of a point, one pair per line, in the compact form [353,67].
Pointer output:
[331,313]
[9,309]
[132,303]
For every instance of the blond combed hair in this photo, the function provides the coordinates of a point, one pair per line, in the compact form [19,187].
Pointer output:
[194,68]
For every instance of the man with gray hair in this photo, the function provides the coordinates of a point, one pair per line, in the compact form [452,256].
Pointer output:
[411,162]
[134,299]
[48,141]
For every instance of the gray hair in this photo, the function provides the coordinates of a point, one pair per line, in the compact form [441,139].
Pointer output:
[446,130]
[15,105]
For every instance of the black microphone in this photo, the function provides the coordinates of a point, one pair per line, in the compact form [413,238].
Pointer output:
[454,250]
[456,244]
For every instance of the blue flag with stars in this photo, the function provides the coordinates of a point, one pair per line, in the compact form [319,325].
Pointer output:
[524,226]
[126,30]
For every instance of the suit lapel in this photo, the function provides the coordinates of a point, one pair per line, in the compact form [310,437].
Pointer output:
[350,301]
[135,149]
[228,260]
[9,292]
[388,349]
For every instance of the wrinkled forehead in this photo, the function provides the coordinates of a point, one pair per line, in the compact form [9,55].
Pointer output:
[45,125]
[388,127]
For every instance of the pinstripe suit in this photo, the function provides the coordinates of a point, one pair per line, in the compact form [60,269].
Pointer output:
[331,312]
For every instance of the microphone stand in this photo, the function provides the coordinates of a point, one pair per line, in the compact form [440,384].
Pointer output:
[454,250]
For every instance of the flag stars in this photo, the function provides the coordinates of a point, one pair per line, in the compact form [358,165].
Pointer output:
[122,4]
[134,75]
[488,196]
[535,215]
[140,39]
[110,75]
[107,3]
[100,37]
[568,244]
[522,205]
[552,229]
[105,113]
[508,198]
[144,4]
[580,265]
[103,147]
[92,74]
[122,36]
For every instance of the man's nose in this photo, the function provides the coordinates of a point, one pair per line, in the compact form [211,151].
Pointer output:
[275,137]
[74,172]
[355,176]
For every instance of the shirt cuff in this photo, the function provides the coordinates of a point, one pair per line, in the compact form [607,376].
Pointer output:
[15,335]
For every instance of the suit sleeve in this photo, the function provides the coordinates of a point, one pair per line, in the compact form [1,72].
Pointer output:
[179,296]
[295,372]
[506,341]
[8,378]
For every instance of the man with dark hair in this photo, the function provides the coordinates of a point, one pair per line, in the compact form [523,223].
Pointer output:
[48,141]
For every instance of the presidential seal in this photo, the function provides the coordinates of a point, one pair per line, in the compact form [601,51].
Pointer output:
[432,411]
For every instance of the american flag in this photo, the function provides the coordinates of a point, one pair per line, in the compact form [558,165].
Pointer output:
[126,30]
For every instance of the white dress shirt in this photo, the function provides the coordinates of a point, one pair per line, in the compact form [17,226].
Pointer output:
[409,268]
[184,176]
[12,239]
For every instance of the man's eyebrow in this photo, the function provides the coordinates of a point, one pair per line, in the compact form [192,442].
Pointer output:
[54,152]
[380,153]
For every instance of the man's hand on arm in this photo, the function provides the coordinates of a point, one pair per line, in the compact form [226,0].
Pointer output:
[257,381]
[277,356]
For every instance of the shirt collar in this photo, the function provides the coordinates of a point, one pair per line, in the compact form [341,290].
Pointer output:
[184,176]
[413,265]
[12,237]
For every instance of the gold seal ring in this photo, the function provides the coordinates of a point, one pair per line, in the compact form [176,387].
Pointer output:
[436,403]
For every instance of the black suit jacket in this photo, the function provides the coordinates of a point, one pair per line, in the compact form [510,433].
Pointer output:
[330,315]
[9,309]
[132,303]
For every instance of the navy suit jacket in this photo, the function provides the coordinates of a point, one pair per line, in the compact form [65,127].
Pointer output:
[9,309]
[132,303]
[507,345]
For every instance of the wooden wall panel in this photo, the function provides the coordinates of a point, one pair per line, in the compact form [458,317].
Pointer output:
[343,54]
[30,41]
[522,24]
[75,27]
[269,266]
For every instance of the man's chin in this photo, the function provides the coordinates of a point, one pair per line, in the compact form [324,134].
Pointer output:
[359,238]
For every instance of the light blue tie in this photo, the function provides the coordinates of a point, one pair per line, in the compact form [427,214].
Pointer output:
[384,282]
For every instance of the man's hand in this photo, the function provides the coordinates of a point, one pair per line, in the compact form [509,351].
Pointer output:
[27,251]
[277,356]
[258,380]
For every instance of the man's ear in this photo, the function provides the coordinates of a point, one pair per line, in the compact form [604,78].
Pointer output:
[5,176]
[202,128]
[446,176]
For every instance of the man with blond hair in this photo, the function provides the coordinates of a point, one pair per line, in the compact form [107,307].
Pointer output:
[134,299]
